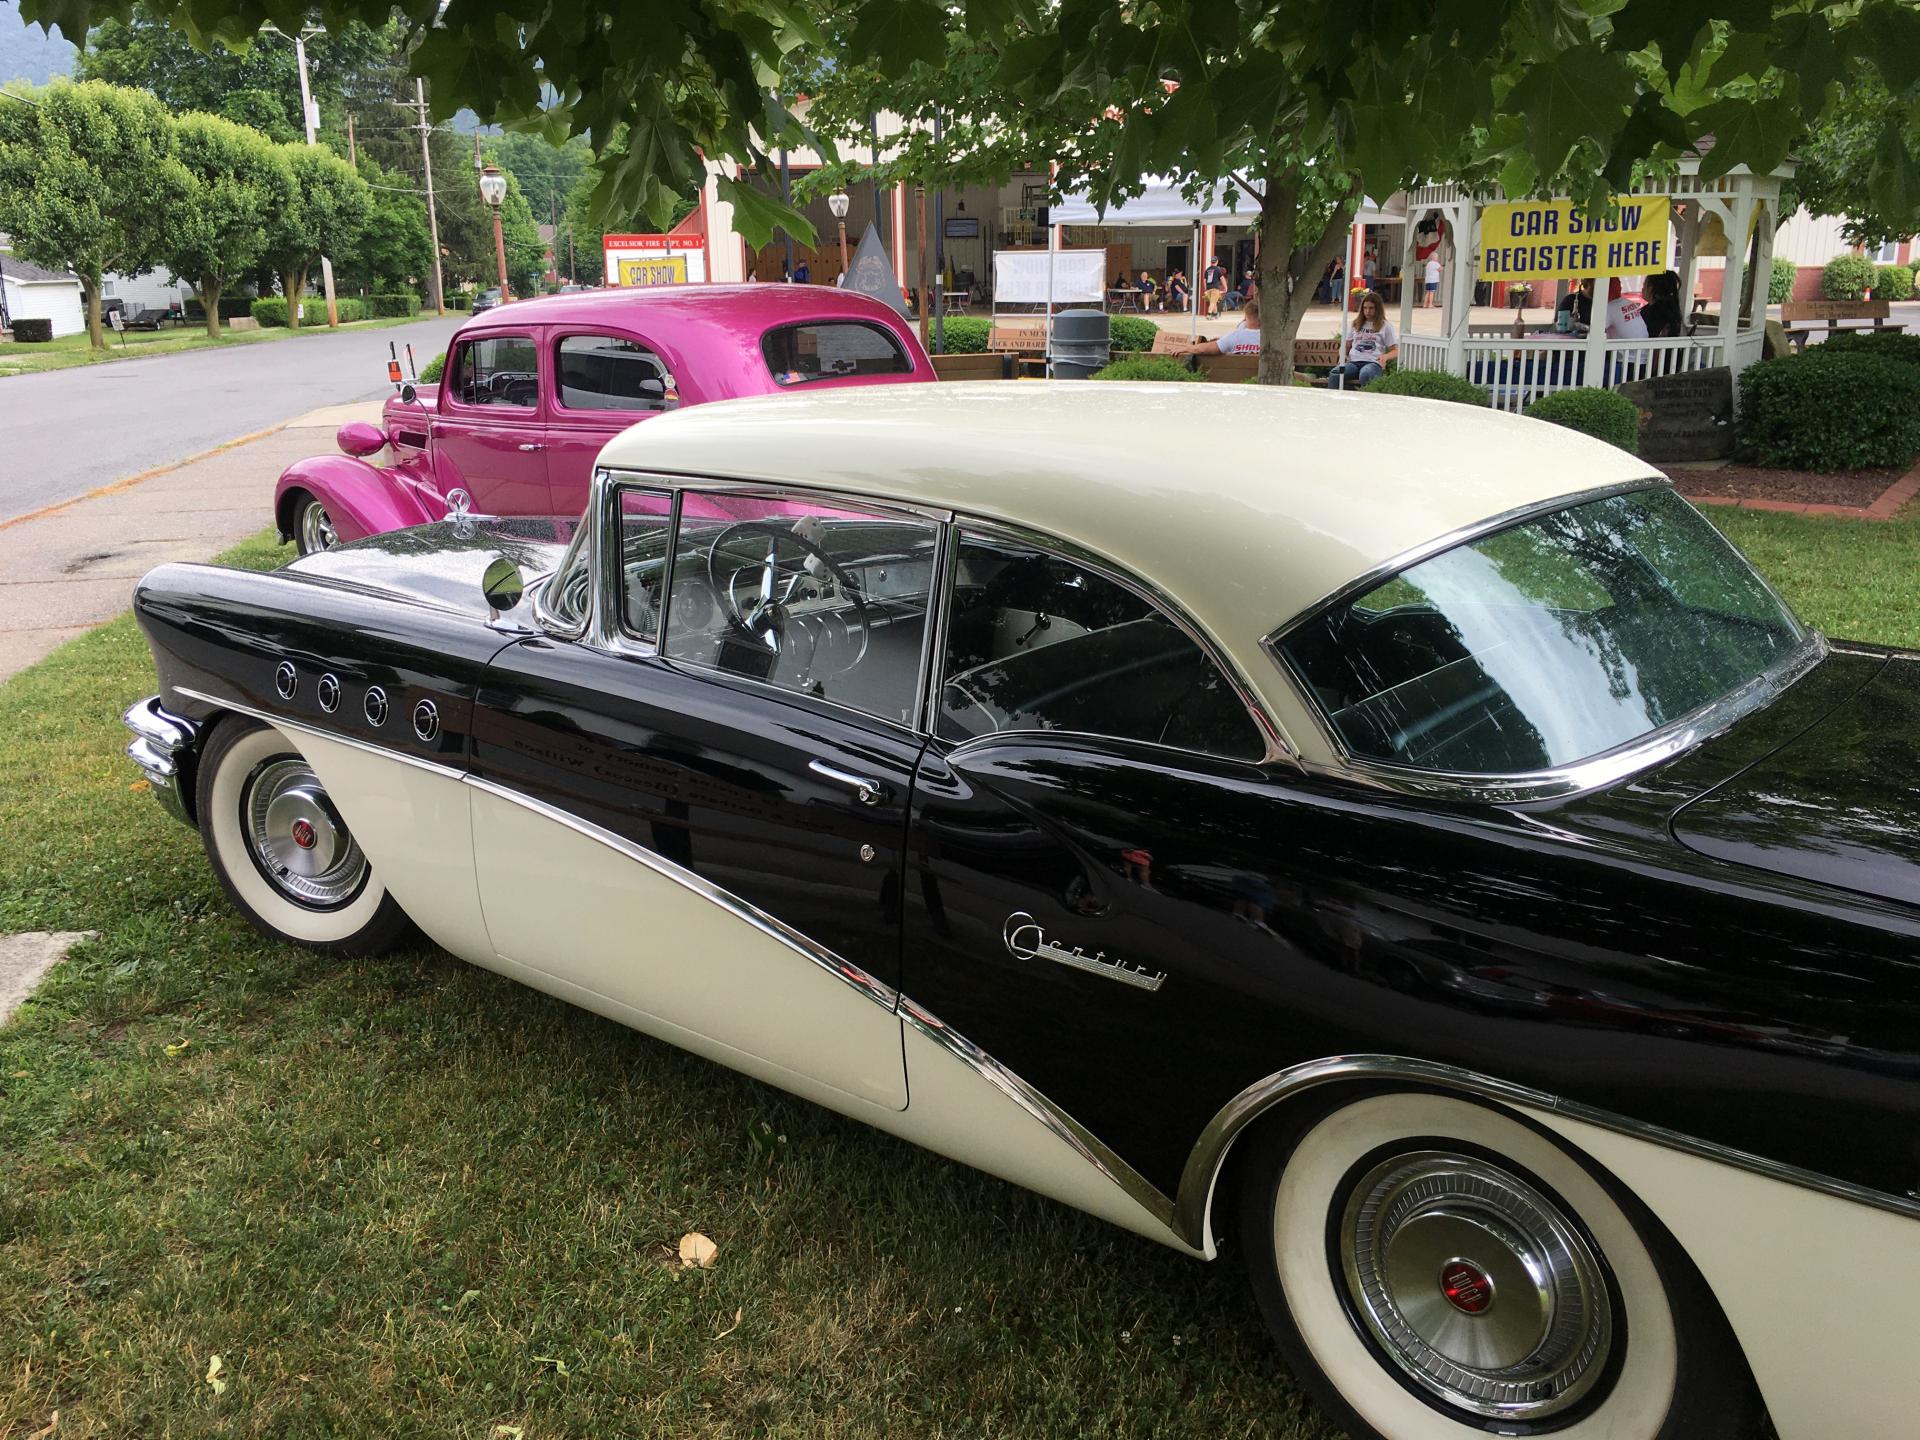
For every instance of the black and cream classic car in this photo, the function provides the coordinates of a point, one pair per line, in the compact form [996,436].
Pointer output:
[1463,881]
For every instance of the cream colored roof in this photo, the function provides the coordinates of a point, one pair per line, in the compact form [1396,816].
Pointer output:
[1246,503]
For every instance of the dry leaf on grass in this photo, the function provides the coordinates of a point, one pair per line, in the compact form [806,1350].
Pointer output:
[697,1249]
[213,1376]
[53,1424]
[733,1327]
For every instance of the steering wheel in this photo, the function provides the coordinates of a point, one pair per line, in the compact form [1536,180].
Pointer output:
[759,586]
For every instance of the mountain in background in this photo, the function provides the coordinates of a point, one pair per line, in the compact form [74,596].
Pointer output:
[29,53]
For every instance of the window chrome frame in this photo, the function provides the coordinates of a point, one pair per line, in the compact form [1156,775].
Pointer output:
[1275,746]
[609,633]
[1592,772]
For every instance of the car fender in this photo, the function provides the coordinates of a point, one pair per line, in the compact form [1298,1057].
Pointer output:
[361,498]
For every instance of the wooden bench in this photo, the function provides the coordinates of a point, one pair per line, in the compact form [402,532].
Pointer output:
[973,367]
[1803,318]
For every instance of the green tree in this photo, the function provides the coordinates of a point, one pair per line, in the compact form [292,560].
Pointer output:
[585,226]
[88,180]
[257,83]
[238,184]
[394,253]
[1842,155]
[547,172]
[329,211]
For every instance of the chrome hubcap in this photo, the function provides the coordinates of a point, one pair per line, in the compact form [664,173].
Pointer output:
[297,840]
[1476,1285]
[316,528]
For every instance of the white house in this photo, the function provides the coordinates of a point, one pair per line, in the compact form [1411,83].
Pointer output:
[29,292]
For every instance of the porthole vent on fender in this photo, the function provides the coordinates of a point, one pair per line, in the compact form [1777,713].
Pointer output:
[426,722]
[375,706]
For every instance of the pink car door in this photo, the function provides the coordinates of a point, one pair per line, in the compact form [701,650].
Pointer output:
[489,437]
[602,382]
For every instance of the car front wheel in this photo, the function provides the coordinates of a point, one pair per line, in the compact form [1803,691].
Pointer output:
[282,851]
[312,527]
[1438,1269]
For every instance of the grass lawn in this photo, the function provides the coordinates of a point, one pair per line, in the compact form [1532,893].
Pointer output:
[405,1197]
[71,350]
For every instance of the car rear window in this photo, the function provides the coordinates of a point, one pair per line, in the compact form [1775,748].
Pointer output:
[832,350]
[1544,644]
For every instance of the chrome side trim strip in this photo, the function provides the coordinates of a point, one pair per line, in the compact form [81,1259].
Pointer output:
[284,722]
[1083,1141]
[1191,1208]
[878,991]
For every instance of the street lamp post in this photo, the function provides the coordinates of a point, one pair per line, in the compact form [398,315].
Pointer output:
[837,202]
[493,190]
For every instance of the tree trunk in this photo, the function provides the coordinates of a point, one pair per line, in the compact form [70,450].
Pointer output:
[90,294]
[1289,268]
[209,293]
[293,285]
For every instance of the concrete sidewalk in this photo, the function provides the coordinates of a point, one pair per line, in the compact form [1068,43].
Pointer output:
[72,566]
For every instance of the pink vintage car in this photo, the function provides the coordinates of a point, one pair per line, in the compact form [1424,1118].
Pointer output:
[532,390]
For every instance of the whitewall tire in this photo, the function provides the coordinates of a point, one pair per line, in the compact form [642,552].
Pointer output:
[283,853]
[1438,1269]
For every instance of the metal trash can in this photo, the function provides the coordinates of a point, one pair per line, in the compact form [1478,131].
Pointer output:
[1081,344]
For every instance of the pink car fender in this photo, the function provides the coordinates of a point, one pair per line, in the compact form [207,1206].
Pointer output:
[361,498]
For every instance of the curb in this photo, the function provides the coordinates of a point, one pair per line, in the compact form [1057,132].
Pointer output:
[132,480]
[1886,507]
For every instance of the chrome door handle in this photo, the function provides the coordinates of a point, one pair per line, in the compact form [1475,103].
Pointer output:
[870,792]
[529,447]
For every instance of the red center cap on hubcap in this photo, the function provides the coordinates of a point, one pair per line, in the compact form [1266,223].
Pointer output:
[1466,1286]
[303,835]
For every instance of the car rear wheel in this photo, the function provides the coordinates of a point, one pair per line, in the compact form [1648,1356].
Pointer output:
[1438,1269]
[282,851]
[312,527]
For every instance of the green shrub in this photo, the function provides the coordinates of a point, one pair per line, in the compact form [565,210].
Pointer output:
[381,306]
[351,308]
[430,372]
[1892,282]
[967,334]
[1836,411]
[1430,385]
[33,332]
[1886,344]
[1146,367]
[1131,332]
[1780,282]
[459,302]
[270,311]
[1604,414]
[1847,277]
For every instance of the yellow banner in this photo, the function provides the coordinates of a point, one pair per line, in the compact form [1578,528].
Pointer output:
[1558,240]
[658,270]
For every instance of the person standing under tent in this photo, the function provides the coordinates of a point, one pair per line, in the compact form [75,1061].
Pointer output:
[1215,281]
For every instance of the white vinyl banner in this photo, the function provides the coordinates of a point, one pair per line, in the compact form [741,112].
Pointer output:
[1020,277]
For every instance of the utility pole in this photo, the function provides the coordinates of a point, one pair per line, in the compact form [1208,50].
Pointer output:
[353,151]
[433,215]
[939,255]
[310,112]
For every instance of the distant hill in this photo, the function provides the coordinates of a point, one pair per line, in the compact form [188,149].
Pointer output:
[29,53]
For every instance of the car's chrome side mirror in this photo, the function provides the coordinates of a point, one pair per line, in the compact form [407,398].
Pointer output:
[408,392]
[502,585]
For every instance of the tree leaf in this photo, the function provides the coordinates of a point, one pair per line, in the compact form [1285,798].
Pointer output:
[1894,180]
[697,1251]
[756,216]
[894,33]
[1651,124]
[1581,94]
[1753,133]
[1805,47]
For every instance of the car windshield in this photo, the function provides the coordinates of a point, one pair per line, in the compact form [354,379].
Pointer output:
[1545,644]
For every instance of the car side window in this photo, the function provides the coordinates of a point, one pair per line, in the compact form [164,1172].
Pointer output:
[820,598]
[1038,641]
[497,370]
[645,517]
[609,372]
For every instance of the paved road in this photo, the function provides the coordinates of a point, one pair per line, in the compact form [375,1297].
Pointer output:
[69,431]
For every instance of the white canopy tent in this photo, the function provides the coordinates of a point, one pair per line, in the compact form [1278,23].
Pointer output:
[1162,204]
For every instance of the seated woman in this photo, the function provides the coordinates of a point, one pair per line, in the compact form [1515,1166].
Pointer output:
[1372,345]
[1662,313]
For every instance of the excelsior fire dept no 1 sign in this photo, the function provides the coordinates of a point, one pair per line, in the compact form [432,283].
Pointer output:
[655,259]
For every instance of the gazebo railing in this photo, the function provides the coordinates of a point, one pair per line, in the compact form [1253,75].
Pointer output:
[1518,372]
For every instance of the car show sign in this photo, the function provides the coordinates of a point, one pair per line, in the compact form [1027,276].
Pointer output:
[1560,240]
[655,259]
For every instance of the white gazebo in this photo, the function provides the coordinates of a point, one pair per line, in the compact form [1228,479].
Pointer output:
[1520,369]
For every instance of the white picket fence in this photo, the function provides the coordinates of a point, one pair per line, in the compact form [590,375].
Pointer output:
[1518,372]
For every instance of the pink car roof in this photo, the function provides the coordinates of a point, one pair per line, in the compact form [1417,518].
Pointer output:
[715,328]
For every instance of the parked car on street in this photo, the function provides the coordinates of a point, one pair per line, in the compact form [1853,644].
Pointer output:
[532,390]
[1464,881]
[486,300]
